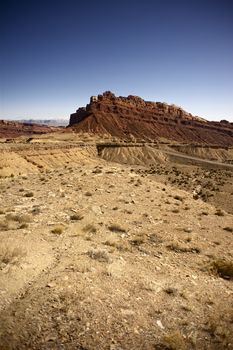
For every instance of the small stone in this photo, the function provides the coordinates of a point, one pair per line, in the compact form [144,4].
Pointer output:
[51,285]
[159,323]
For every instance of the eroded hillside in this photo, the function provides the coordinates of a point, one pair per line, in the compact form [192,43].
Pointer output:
[131,117]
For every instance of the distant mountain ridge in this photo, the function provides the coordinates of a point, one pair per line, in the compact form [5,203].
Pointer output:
[49,122]
[131,116]
[11,129]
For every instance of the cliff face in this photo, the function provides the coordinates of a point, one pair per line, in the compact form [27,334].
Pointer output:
[126,116]
[11,129]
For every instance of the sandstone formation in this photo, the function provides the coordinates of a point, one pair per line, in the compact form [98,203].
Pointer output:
[9,129]
[131,116]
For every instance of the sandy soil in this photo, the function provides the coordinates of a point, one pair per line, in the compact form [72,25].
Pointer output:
[96,255]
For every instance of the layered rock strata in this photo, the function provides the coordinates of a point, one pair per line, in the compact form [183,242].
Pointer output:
[131,116]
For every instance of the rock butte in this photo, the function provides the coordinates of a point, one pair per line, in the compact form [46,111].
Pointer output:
[131,116]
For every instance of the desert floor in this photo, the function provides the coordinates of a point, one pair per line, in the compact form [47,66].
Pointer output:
[101,255]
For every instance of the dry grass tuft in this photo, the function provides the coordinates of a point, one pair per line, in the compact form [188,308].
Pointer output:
[219,326]
[98,254]
[88,194]
[116,228]
[76,217]
[4,226]
[228,229]
[219,212]
[180,249]
[90,228]
[10,255]
[175,211]
[138,240]
[23,226]
[119,245]
[174,341]
[178,198]
[29,194]
[223,268]
[58,230]
[24,218]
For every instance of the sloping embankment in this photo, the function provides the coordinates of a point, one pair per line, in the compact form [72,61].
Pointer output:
[24,159]
[224,154]
[134,155]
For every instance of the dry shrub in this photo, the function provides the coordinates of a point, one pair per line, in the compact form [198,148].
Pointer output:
[23,226]
[58,230]
[4,226]
[219,212]
[10,254]
[228,229]
[119,245]
[29,194]
[138,240]
[99,254]
[76,217]
[219,326]
[174,341]
[175,211]
[24,218]
[178,198]
[116,228]
[223,268]
[89,228]
[179,249]
[88,194]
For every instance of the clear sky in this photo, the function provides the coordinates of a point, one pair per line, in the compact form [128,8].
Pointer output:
[56,54]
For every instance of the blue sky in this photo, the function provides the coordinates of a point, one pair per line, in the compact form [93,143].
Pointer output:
[56,54]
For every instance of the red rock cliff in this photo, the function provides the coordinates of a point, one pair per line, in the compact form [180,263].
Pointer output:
[125,116]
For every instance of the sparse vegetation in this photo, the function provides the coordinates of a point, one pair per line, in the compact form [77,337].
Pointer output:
[219,212]
[23,226]
[88,194]
[223,268]
[90,228]
[138,240]
[175,211]
[99,254]
[228,229]
[10,254]
[4,226]
[121,253]
[58,230]
[29,194]
[116,228]
[76,217]
[120,245]
[205,213]
[23,218]
[174,341]
[170,290]
[180,249]
[178,198]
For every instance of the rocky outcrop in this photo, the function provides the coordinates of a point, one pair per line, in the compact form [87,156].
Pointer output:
[10,129]
[131,116]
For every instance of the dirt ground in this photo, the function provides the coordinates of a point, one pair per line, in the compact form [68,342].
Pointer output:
[214,186]
[100,255]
